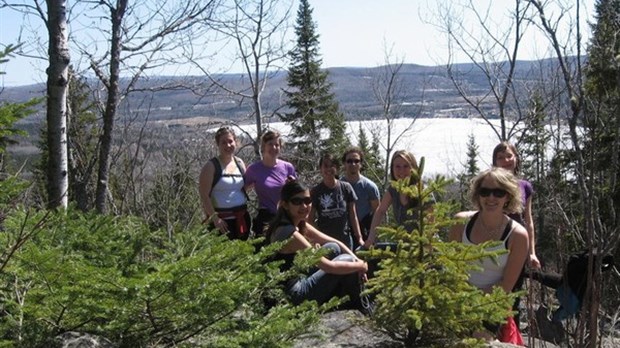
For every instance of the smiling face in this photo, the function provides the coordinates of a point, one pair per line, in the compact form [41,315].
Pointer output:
[298,206]
[271,148]
[505,156]
[506,159]
[491,196]
[328,169]
[401,169]
[227,144]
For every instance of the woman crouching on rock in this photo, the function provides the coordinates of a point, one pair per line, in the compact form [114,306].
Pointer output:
[337,274]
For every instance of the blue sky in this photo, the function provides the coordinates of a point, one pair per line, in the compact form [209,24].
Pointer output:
[352,33]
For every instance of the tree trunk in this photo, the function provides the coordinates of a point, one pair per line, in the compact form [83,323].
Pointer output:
[57,90]
[111,105]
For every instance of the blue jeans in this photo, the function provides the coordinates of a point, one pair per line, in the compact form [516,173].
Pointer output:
[321,286]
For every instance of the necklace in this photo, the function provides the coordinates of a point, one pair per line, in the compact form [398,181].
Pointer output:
[491,232]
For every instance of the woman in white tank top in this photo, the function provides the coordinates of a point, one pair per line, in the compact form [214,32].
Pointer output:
[221,183]
[495,193]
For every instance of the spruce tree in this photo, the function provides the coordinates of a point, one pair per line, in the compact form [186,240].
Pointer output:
[10,113]
[313,112]
[602,89]
[373,163]
[471,170]
[535,168]
[421,289]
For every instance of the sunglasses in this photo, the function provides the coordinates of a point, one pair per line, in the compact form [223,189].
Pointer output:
[356,161]
[496,192]
[300,200]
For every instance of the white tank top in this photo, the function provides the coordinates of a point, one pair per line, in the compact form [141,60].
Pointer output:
[492,268]
[228,191]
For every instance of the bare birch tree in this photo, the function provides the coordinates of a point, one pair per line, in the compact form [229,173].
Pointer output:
[54,15]
[389,90]
[55,19]
[595,180]
[493,50]
[257,29]
[142,36]
[57,91]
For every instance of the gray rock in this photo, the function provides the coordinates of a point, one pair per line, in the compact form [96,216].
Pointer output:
[351,329]
[82,340]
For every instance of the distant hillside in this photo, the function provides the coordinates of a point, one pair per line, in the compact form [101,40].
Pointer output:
[429,93]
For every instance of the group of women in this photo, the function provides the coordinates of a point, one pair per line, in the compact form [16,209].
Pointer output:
[325,216]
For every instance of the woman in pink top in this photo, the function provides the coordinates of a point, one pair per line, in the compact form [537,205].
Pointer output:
[267,177]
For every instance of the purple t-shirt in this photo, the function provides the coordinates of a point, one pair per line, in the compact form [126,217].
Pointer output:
[268,182]
[527,190]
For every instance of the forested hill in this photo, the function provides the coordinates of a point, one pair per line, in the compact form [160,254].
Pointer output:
[426,91]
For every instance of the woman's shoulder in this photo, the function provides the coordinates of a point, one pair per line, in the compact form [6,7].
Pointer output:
[286,165]
[527,186]
[239,161]
[282,233]
[518,232]
[391,191]
[208,167]
[255,167]
[456,231]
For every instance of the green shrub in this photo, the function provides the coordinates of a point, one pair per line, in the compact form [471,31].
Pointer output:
[421,289]
[113,277]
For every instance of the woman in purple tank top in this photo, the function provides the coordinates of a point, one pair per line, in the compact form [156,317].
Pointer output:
[505,156]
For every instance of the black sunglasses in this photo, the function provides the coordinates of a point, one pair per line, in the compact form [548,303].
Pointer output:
[497,192]
[300,200]
[351,161]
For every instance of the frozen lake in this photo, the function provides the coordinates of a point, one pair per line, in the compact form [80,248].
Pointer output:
[443,142]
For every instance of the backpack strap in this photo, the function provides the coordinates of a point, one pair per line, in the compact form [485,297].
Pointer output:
[238,163]
[242,171]
[217,173]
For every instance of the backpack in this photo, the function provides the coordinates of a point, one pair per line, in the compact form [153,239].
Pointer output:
[217,174]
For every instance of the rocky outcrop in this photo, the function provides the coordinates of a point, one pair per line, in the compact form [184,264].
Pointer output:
[82,340]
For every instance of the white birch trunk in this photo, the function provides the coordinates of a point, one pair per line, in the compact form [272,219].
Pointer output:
[57,91]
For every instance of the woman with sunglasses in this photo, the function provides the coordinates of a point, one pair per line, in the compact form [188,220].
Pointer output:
[221,188]
[333,204]
[337,274]
[267,177]
[494,193]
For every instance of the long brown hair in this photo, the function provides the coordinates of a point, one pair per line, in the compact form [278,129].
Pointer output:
[503,146]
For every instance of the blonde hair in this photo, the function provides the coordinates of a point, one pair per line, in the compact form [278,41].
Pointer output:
[405,155]
[506,180]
